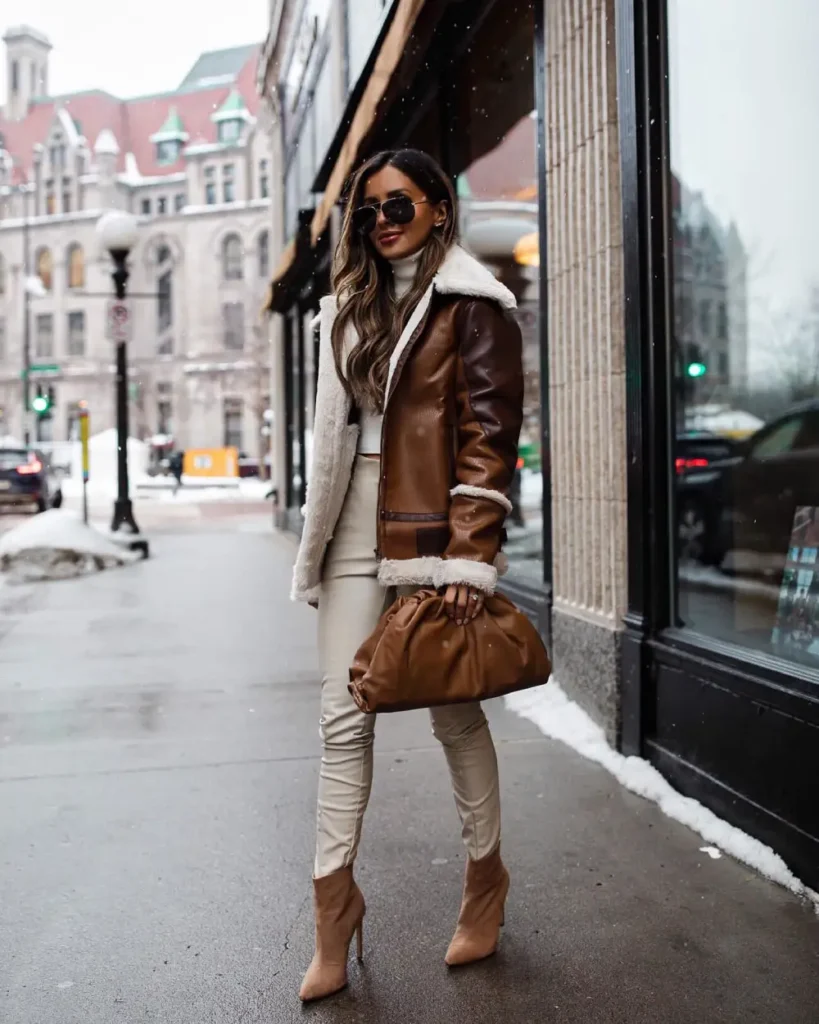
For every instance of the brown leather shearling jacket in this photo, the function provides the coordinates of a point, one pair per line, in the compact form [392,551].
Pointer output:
[450,445]
[453,413]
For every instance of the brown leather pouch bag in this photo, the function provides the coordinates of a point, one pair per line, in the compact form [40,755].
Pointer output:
[419,658]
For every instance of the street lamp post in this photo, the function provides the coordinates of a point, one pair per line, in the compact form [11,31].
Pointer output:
[117,233]
[26,324]
[23,191]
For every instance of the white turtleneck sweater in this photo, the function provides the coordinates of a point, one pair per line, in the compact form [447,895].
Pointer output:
[403,274]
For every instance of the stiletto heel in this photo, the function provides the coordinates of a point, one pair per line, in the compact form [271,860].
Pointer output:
[359,941]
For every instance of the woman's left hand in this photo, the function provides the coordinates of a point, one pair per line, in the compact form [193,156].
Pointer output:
[463,603]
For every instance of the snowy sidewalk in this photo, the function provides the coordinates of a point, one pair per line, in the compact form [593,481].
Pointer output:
[159,759]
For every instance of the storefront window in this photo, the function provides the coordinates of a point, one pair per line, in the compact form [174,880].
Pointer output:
[744,97]
[495,149]
[364,22]
[325,108]
[307,158]
[296,410]
[309,396]
[291,198]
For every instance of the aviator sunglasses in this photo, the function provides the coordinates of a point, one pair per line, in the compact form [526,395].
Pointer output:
[398,210]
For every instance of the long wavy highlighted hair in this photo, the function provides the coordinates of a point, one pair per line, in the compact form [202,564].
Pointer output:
[363,282]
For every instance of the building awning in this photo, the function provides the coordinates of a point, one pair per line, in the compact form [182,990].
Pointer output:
[284,264]
[295,264]
[392,50]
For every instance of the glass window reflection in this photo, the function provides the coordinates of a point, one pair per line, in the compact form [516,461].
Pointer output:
[494,147]
[746,320]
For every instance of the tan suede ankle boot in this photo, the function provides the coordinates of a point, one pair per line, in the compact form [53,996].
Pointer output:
[479,922]
[339,908]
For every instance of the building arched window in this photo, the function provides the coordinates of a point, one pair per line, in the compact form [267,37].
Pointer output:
[232,258]
[164,305]
[264,254]
[76,267]
[45,268]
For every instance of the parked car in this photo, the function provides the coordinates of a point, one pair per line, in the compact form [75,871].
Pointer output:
[27,480]
[249,465]
[748,499]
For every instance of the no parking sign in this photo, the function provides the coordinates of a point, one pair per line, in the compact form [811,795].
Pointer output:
[119,321]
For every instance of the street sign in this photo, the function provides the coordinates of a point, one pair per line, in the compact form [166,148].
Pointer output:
[84,431]
[41,368]
[119,321]
[84,424]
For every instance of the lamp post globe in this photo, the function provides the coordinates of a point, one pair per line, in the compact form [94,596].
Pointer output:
[117,232]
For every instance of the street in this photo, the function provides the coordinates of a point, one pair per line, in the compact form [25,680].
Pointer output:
[158,760]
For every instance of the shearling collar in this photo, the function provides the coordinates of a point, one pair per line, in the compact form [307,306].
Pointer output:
[459,274]
[462,274]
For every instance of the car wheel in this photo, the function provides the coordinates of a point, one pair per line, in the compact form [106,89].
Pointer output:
[41,505]
[57,500]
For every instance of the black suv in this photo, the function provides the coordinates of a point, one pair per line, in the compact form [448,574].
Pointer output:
[747,501]
[27,480]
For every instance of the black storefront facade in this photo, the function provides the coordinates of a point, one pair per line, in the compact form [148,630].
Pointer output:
[693,634]
[720,663]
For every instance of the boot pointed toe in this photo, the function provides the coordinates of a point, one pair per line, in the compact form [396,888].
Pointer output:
[339,908]
[486,885]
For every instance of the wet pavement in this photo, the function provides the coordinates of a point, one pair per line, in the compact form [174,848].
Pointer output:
[158,762]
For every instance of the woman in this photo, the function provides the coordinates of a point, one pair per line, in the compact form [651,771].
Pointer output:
[418,413]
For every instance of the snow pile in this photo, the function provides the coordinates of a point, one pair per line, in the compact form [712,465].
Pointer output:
[562,719]
[102,464]
[57,545]
[201,489]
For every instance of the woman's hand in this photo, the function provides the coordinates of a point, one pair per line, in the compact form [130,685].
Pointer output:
[463,603]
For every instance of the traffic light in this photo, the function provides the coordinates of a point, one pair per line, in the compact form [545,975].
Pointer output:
[695,365]
[43,400]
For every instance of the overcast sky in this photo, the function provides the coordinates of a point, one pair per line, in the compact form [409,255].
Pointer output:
[744,80]
[744,106]
[98,44]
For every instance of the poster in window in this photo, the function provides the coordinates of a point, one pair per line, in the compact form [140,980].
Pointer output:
[796,633]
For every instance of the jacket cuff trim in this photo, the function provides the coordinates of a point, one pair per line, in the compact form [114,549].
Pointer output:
[468,491]
[437,572]
[309,595]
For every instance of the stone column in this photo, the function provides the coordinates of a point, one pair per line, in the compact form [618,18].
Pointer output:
[586,354]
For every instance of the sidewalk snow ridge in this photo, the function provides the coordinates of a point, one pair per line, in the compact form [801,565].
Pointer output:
[57,545]
[562,719]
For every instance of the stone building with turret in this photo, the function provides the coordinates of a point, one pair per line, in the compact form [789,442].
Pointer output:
[193,164]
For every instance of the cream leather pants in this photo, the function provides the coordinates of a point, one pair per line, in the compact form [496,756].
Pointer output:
[350,605]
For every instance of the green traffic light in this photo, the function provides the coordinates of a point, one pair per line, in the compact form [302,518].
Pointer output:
[696,369]
[40,403]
